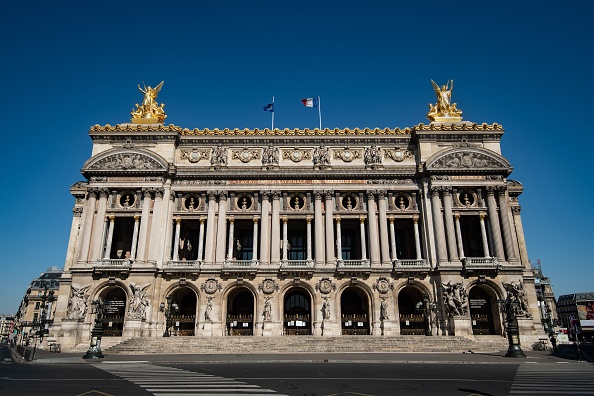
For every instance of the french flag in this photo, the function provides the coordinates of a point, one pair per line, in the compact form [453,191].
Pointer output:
[310,102]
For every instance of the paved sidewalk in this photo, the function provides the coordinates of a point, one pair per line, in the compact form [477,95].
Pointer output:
[564,355]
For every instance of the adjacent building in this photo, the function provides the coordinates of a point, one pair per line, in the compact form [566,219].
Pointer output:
[576,313]
[326,232]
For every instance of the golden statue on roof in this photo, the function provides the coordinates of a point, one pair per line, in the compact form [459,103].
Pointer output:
[444,110]
[149,112]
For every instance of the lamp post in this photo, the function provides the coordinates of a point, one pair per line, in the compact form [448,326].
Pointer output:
[168,311]
[94,351]
[510,307]
[41,325]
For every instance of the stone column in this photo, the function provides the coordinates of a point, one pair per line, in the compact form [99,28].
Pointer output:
[221,229]
[507,232]
[211,229]
[374,245]
[103,235]
[309,257]
[166,219]
[383,227]
[459,235]
[449,224]
[264,229]
[330,257]
[89,215]
[417,237]
[144,220]
[97,238]
[319,227]
[338,241]
[201,240]
[275,247]
[231,238]
[176,240]
[520,233]
[363,235]
[156,225]
[109,237]
[494,222]
[484,235]
[135,238]
[442,253]
[285,239]
[74,238]
[393,239]
[255,240]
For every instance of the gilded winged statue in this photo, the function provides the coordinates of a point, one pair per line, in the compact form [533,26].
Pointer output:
[149,109]
[443,108]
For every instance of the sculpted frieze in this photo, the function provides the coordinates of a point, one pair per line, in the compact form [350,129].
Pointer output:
[397,154]
[347,155]
[468,158]
[126,161]
[245,155]
[195,155]
[296,155]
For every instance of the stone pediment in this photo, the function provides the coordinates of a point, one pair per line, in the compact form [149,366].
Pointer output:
[468,159]
[126,160]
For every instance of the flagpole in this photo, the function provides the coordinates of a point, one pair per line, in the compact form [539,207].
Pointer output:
[320,112]
[273,113]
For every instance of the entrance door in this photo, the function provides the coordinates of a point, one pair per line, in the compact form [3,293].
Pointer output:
[412,312]
[297,319]
[115,309]
[354,307]
[482,303]
[240,313]
[183,320]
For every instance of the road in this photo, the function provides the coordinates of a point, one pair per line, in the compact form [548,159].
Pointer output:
[307,378]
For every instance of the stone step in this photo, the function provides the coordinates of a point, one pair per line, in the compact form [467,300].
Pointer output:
[298,344]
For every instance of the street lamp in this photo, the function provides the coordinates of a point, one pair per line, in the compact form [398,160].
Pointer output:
[41,325]
[510,307]
[168,311]
[94,351]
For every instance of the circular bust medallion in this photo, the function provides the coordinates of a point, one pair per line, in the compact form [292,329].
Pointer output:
[382,285]
[268,286]
[194,156]
[210,286]
[325,286]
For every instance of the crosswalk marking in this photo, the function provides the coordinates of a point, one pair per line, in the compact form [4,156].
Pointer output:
[552,379]
[171,381]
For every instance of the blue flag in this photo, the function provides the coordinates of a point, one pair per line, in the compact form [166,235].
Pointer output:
[269,107]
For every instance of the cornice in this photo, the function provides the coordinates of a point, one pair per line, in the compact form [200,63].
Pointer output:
[294,132]
[135,128]
[463,126]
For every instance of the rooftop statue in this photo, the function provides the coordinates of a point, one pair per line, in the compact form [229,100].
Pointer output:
[444,110]
[149,112]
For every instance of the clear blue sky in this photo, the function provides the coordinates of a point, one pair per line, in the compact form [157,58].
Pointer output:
[69,65]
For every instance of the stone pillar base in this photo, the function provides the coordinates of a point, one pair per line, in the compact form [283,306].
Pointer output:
[267,329]
[132,328]
[326,329]
[206,329]
[462,326]
[386,328]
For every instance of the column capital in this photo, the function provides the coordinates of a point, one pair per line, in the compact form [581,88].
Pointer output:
[337,218]
[159,192]
[501,189]
[308,219]
[178,220]
[77,212]
[381,194]
[447,190]
[370,194]
[111,219]
[276,194]
[136,218]
[416,219]
[212,195]
[434,190]
[256,219]
[482,215]
[362,219]
[222,195]
[457,215]
[328,194]
[516,209]
[318,194]
[265,194]
[285,219]
[202,220]
[490,190]
[231,219]
[147,192]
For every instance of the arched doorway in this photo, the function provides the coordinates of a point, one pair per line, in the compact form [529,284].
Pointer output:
[240,313]
[354,309]
[183,317]
[411,307]
[484,312]
[115,302]
[297,313]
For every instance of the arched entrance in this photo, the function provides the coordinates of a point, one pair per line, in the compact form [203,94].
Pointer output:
[183,318]
[297,313]
[484,312]
[354,309]
[240,313]
[411,307]
[115,302]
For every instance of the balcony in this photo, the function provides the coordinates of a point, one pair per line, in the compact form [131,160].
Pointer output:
[182,267]
[120,267]
[240,267]
[296,267]
[481,264]
[353,267]
[407,266]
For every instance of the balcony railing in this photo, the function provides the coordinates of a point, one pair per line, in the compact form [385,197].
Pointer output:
[240,264]
[297,264]
[481,262]
[353,263]
[412,263]
[118,263]
[183,264]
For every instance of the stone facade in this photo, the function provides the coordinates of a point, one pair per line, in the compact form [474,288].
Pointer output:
[287,232]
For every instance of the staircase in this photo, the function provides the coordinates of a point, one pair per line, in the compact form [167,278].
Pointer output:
[106,342]
[304,344]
